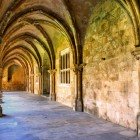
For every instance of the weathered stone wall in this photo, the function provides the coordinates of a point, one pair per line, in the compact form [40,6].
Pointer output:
[16,83]
[64,93]
[110,78]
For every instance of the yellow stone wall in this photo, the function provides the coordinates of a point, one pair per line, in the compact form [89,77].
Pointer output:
[110,78]
[64,93]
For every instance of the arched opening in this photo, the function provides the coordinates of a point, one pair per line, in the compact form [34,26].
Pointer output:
[46,75]
[108,78]
[11,72]
[14,78]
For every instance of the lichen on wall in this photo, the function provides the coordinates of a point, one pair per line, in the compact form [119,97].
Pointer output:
[110,78]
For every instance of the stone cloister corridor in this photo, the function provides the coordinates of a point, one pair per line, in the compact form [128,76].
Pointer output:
[69,69]
[31,117]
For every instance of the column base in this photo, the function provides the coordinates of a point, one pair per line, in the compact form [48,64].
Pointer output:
[138,124]
[0,111]
[94,111]
[53,98]
[78,106]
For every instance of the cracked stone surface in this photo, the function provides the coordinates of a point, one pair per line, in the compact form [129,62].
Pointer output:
[31,117]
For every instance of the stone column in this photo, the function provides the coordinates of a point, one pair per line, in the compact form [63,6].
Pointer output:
[1,79]
[40,83]
[52,84]
[44,80]
[1,111]
[138,114]
[27,83]
[32,82]
[78,104]
[1,91]
[136,55]
[1,71]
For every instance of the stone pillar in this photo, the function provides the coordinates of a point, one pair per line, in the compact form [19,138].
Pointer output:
[1,91]
[78,104]
[138,114]
[1,71]
[40,83]
[138,123]
[52,84]
[136,55]
[1,111]
[27,84]
[32,82]
[45,80]
[1,80]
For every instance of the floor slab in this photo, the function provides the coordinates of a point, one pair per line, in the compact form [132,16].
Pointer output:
[31,117]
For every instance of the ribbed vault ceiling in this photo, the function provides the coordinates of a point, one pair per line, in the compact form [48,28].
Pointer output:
[28,28]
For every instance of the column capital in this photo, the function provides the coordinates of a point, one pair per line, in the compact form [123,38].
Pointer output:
[78,68]
[137,45]
[52,71]
[136,52]
[31,74]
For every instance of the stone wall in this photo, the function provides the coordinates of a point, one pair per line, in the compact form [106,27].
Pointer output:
[17,83]
[110,78]
[64,93]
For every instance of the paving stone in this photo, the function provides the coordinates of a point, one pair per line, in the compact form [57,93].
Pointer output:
[31,117]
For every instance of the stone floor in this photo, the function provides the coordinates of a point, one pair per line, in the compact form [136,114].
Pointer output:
[30,117]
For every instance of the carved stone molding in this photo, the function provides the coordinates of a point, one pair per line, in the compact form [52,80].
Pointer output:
[137,57]
[77,68]
[137,46]
[136,52]
[52,71]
